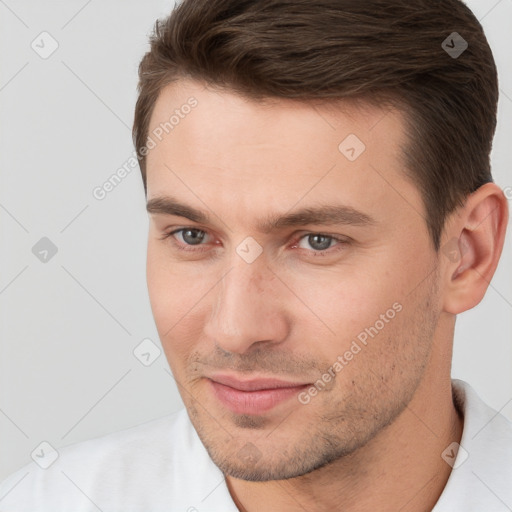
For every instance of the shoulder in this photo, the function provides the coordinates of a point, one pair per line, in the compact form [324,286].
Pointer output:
[482,470]
[142,467]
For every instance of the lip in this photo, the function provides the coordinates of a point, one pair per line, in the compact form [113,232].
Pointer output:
[253,396]
[254,384]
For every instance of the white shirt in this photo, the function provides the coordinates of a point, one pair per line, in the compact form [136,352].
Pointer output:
[162,466]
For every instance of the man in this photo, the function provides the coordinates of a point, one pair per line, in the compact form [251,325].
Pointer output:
[321,208]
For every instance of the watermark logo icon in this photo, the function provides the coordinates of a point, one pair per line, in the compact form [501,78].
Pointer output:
[351,147]
[249,249]
[45,45]
[44,455]
[454,45]
[249,454]
[455,455]
[453,250]
[44,250]
[147,352]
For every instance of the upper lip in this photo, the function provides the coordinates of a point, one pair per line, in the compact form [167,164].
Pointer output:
[254,384]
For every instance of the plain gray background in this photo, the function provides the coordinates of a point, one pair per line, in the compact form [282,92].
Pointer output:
[69,325]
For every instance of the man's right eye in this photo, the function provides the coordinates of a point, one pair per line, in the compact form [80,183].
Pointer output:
[186,238]
[189,236]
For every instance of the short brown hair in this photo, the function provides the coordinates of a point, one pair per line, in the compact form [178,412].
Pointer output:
[376,50]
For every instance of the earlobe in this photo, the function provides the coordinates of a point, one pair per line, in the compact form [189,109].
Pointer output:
[477,236]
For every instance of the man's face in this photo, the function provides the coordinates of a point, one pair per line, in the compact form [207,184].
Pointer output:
[344,305]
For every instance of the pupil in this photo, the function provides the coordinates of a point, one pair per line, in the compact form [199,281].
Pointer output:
[321,245]
[193,236]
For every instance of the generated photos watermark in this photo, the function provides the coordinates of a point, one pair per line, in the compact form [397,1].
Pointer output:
[356,346]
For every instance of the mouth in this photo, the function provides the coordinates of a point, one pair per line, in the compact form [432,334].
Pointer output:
[254,396]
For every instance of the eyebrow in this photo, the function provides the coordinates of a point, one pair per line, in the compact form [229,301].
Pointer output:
[325,214]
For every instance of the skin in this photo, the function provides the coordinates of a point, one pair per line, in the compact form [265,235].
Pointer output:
[372,438]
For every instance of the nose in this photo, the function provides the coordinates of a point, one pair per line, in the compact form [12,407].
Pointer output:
[248,309]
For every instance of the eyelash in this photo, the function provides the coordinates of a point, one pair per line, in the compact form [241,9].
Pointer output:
[197,249]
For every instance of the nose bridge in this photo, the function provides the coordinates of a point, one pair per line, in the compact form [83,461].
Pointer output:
[245,310]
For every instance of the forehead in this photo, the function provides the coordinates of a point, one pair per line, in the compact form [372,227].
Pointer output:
[218,109]
[218,146]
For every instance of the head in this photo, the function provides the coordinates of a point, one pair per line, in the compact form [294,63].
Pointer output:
[311,169]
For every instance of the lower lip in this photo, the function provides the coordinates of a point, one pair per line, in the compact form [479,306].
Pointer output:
[253,402]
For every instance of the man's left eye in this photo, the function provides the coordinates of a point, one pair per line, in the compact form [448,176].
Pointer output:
[191,236]
[317,242]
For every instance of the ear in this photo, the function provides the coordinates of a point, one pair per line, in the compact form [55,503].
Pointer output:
[472,248]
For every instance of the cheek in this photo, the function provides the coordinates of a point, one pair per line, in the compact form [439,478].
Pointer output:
[178,299]
[363,310]
[344,305]
[171,286]
[160,286]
